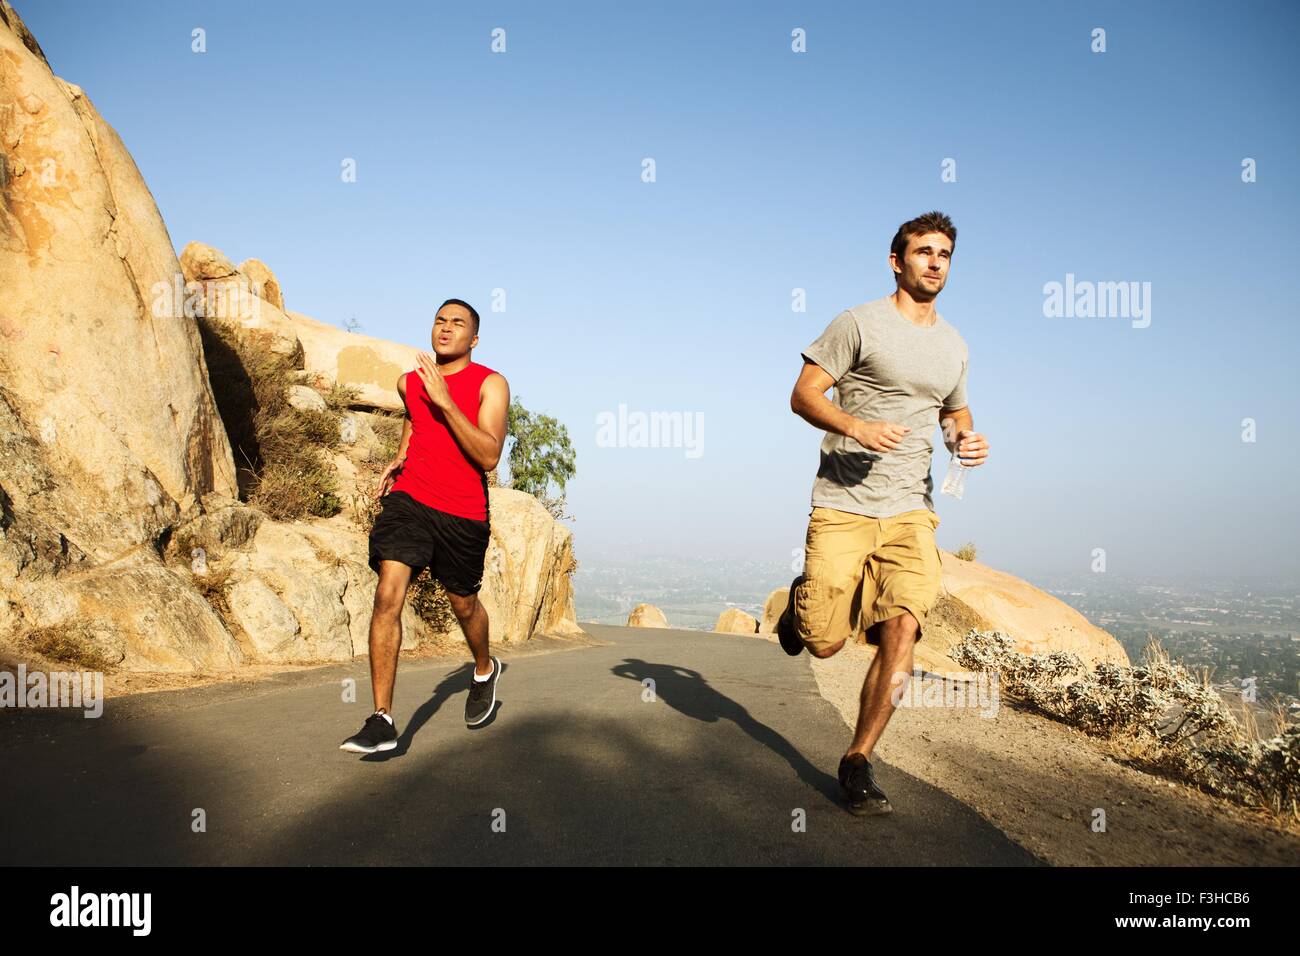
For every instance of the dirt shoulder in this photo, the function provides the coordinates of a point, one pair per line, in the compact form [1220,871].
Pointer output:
[1040,782]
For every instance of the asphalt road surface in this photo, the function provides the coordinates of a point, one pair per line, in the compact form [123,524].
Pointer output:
[729,757]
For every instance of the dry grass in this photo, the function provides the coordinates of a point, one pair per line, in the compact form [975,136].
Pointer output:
[387,427]
[277,447]
[68,646]
[212,585]
[1159,715]
[966,552]
[341,398]
[429,601]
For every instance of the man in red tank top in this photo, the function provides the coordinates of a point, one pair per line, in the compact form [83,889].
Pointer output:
[435,511]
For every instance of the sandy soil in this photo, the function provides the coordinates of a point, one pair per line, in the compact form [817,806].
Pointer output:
[1040,781]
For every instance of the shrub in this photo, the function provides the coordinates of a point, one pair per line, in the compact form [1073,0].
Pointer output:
[1167,719]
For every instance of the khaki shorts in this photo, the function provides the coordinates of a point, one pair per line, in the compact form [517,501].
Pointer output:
[859,571]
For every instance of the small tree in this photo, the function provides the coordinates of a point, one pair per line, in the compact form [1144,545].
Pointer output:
[540,456]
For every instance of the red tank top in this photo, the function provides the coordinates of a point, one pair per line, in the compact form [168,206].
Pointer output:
[436,472]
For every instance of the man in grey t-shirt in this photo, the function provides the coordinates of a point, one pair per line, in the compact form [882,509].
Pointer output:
[871,563]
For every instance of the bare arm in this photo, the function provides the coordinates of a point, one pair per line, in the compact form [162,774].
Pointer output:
[809,402]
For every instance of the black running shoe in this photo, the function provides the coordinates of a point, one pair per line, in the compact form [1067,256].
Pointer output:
[482,696]
[377,734]
[858,785]
[790,642]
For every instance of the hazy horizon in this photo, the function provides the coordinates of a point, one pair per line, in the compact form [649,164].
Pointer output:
[776,171]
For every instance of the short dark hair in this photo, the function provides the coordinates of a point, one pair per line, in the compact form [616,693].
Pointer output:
[930,222]
[463,304]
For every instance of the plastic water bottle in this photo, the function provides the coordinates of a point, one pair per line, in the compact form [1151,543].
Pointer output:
[954,483]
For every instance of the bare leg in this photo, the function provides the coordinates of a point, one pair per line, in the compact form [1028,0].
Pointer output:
[826,652]
[474,622]
[893,656]
[386,630]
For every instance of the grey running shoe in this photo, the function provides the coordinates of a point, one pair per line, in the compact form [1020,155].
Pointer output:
[482,696]
[377,734]
[858,785]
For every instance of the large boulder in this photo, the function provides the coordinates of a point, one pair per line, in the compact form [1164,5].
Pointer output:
[265,284]
[217,293]
[773,608]
[735,621]
[527,585]
[289,592]
[108,428]
[646,615]
[369,365]
[1038,622]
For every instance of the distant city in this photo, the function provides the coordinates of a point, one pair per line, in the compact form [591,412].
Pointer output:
[1235,631]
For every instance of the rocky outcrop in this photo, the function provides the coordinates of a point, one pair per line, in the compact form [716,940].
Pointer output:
[773,608]
[646,615]
[369,365]
[735,621]
[216,292]
[527,586]
[265,283]
[287,592]
[1038,622]
[121,532]
[108,428]
[249,298]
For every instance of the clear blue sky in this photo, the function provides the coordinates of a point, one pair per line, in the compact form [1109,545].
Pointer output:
[775,170]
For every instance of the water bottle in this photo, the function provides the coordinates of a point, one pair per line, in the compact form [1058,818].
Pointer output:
[955,482]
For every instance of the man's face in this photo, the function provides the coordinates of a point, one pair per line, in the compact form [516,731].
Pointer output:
[923,270]
[453,331]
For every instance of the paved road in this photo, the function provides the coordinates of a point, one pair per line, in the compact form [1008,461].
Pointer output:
[733,751]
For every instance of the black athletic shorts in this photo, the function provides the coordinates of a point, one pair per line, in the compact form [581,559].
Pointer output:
[451,547]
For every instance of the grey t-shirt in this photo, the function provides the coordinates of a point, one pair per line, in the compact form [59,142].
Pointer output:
[886,368]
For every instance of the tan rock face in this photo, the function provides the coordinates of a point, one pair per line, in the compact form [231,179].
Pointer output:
[98,383]
[773,608]
[264,281]
[200,261]
[370,365]
[526,585]
[214,291]
[110,434]
[646,615]
[295,592]
[1037,621]
[735,621]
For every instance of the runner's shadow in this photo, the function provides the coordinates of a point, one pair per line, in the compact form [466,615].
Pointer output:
[689,693]
[455,682]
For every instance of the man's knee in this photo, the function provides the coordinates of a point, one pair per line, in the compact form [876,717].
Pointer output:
[899,631]
[389,599]
[830,650]
[462,605]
